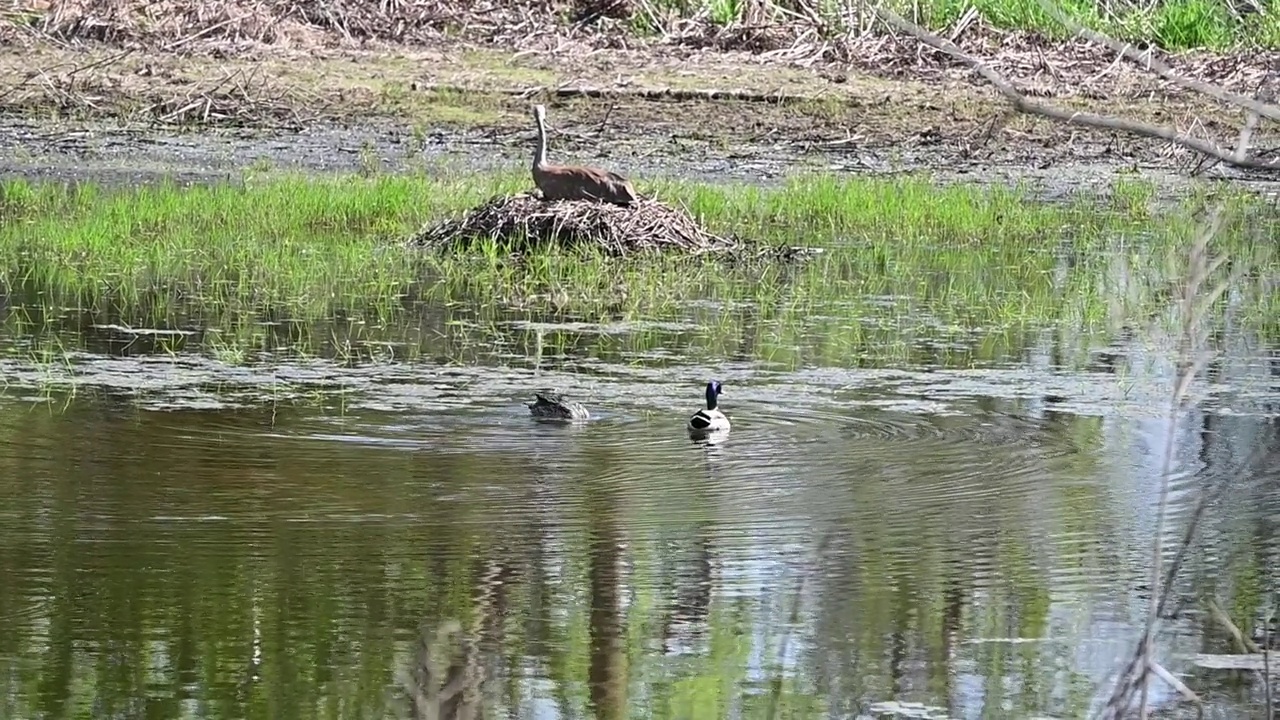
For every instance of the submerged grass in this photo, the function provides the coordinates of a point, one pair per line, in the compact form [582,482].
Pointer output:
[908,263]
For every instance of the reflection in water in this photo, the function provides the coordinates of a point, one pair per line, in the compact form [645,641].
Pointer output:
[186,536]
[259,568]
[447,673]
[607,664]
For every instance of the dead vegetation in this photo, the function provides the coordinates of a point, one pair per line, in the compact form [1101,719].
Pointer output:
[170,25]
[795,33]
[233,96]
[524,222]
[243,61]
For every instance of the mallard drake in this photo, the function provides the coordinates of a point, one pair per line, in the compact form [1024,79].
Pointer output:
[710,419]
[554,406]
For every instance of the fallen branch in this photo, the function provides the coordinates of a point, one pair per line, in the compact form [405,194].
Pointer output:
[775,97]
[1199,269]
[1243,644]
[1266,663]
[1129,675]
[1149,61]
[1247,646]
[1022,103]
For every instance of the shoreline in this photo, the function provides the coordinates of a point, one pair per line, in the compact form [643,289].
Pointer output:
[134,111]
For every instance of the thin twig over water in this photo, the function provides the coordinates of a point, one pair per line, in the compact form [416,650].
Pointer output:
[1192,300]
[1266,663]
[1189,364]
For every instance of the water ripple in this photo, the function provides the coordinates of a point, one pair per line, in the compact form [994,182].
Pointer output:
[355,500]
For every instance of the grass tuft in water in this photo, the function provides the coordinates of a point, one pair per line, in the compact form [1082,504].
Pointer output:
[311,244]
[907,262]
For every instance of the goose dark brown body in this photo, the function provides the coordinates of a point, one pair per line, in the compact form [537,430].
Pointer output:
[575,182]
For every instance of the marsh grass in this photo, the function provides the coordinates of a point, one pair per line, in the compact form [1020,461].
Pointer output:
[287,263]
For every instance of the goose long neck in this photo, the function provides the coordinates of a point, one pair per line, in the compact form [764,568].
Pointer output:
[540,149]
[711,397]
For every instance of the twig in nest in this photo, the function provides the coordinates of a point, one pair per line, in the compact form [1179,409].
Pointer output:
[523,222]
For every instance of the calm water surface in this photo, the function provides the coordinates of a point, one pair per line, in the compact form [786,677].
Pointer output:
[968,529]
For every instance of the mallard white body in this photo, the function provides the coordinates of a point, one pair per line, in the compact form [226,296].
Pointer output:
[710,419]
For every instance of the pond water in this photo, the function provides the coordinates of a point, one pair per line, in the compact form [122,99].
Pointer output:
[963,530]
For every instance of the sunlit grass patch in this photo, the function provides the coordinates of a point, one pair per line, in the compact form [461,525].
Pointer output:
[310,244]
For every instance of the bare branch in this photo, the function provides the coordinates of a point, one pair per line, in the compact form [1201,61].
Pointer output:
[1187,693]
[1266,663]
[1243,644]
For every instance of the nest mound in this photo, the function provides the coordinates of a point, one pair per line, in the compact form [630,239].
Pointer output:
[520,223]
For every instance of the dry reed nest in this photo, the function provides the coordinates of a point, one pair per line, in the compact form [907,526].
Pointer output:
[520,223]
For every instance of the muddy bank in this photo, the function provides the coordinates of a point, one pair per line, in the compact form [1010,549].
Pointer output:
[204,114]
[103,153]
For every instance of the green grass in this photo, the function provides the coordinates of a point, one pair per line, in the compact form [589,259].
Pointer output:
[1172,25]
[309,245]
[910,265]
